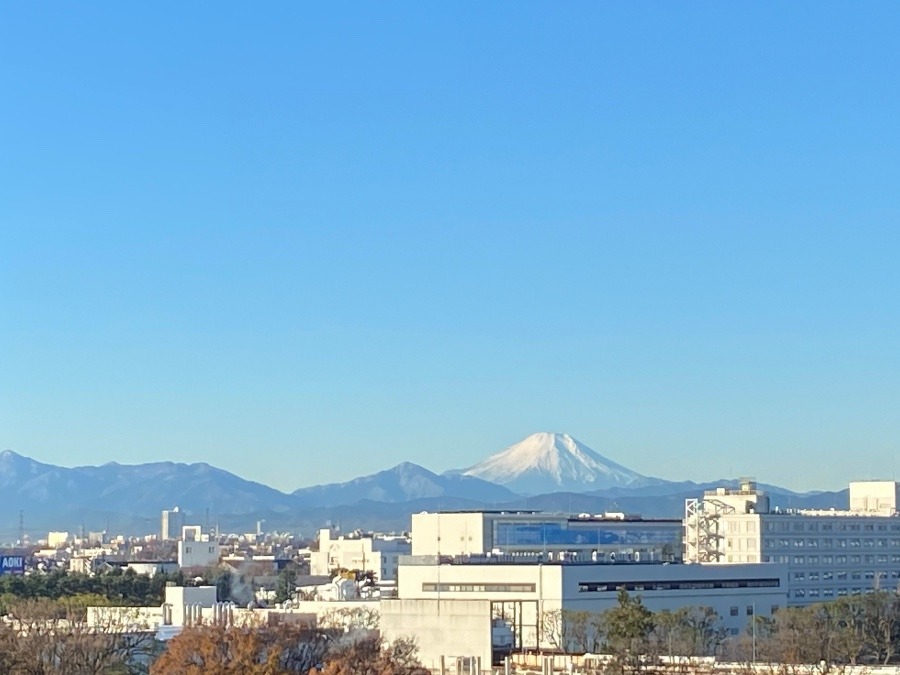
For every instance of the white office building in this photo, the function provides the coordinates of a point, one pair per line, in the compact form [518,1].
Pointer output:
[828,553]
[375,553]
[453,605]
[196,549]
[606,537]
[171,523]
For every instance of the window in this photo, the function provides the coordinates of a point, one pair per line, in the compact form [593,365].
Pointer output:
[842,576]
[813,576]
[868,527]
[842,559]
[828,593]
[478,588]
[812,527]
[799,576]
[798,559]
[734,611]
[856,576]
[855,560]
[842,592]
[749,610]
[668,585]
[773,609]
[827,576]
[799,593]
[814,592]
[827,543]
[813,559]
[827,559]
[854,543]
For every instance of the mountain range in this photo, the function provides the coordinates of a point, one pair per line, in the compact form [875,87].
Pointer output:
[546,471]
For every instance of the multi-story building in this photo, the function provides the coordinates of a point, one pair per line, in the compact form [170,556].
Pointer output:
[375,553]
[196,549]
[456,604]
[829,553]
[606,537]
[171,523]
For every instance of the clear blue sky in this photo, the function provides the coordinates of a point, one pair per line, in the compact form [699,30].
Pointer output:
[305,243]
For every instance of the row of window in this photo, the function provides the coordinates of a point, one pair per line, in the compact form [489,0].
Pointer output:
[843,576]
[882,559]
[477,588]
[813,526]
[829,592]
[615,586]
[188,549]
[831,543]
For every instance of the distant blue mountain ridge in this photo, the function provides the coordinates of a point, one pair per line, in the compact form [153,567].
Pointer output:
[130,497]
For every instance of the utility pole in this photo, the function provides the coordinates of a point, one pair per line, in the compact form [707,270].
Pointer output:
[753,630]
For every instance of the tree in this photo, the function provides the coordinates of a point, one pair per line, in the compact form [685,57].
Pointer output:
[364,654]
[688,631]
[45,637]
[247,650]
[627,630]
[347,620]
[882,624]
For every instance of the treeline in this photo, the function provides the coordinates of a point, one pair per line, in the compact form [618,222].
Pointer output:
[861,629]
[115,587]
[37,639]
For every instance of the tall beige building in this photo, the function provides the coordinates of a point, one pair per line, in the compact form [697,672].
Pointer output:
[171,524]
[829,553]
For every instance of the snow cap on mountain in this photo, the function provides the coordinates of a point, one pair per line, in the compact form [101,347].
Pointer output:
[547,462]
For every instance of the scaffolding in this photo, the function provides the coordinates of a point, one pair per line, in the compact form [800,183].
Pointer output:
[703,535]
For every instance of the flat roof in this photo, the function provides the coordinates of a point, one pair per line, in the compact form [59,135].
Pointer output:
[571,517]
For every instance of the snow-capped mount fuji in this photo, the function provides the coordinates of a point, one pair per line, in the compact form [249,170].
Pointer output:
[550,462]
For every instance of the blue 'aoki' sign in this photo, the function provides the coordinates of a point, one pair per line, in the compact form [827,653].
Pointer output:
[12,564]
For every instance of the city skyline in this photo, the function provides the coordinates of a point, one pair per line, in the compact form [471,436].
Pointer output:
[306,245]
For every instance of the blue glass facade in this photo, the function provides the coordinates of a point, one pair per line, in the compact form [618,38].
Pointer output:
[554,534]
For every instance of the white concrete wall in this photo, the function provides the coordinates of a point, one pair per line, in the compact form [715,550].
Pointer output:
[554,587]
[874,496]
[180,596]
[450,533]
[198,553]
[440,627]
